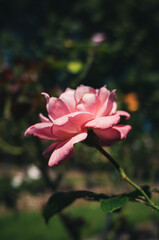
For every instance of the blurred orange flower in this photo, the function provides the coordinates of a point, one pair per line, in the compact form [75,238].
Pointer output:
[131,99]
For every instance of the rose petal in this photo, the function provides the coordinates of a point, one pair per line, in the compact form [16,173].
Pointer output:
[110,104]
[64,150]
[50,149]
[110,136]
[103,94]
[69,125]
[68,98]
[114,108]
[41,130]
[88,103]
[103,122]
[43,118]
[123,129]
[81,90]
[123,113]
[108,107]
[55,106]
[47,97]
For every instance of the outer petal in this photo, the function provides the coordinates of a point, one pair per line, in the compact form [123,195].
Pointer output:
[103,122]
[47,97]
[41,130]
[72,124]
[55,106]
[64,150]
[43,118]
[68,98]
[110,136]
[123,129]
[50,149]
[81,90]
[123,113]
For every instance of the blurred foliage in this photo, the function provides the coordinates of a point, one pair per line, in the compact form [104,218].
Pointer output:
[48,46]
[8,195]
[30,225]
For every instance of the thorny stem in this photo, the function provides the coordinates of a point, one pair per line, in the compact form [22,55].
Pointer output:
[148,202]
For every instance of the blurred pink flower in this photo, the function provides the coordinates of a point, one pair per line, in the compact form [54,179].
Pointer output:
[98,38]
[74,113]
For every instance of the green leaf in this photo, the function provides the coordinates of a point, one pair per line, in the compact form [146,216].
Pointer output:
[118,201]
[60,200]
[111,204]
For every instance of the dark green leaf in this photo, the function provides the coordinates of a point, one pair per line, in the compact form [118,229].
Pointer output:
[111,204]
[60,200]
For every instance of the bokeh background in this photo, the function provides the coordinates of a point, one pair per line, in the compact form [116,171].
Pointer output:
[47,46]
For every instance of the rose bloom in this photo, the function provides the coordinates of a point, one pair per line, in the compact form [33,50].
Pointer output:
[73,115]
[98,38]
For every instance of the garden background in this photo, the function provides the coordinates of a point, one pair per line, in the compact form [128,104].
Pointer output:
[47,46]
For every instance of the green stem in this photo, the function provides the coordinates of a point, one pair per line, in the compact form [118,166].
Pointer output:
[127,179]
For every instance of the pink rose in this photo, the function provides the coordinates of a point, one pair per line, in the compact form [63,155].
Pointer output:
[74,113]
[98,38]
